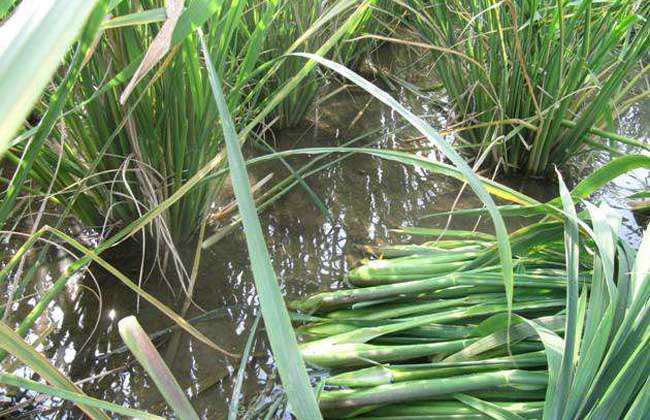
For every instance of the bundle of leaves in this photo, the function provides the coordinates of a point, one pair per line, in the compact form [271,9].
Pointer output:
[427,330]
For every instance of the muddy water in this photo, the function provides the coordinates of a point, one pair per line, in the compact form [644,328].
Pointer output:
[366,197]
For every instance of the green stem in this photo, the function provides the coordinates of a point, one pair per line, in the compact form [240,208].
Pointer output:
[423,389]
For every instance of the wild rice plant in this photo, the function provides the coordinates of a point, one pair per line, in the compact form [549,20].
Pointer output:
[533,83]
[125,150]
[401,329]
[297,17]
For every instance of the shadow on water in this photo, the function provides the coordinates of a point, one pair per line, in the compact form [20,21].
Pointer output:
[366,197]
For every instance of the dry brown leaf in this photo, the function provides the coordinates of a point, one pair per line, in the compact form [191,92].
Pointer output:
[158,48]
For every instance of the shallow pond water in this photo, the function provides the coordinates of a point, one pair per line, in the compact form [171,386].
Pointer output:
[365,196]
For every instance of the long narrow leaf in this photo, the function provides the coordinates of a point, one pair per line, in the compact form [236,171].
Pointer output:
[571,236]
[486,407]
[33,42]
[75,397]
[144,351]
[14,344]
[233,409]
[54,110]
[276,318]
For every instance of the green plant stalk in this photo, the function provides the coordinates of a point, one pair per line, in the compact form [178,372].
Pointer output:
[407,266]
[325,349]
[387,374]
[326,300]
[445,233]
[354,354]
[423,389]
[427,248]
[402,306]
[408,308]
[610,136]
[431,331]
[444,409]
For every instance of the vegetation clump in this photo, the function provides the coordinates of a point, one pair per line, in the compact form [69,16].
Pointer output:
[130,116]
[140,124]
[534,83]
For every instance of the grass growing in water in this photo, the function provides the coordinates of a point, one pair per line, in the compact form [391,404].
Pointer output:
[379,338]
[530,82]
[149,138]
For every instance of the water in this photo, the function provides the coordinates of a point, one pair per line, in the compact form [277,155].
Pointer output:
[310,251]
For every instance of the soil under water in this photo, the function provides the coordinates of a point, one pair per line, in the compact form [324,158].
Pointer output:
[365,196]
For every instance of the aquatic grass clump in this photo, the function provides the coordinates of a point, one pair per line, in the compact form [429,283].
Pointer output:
[571,348]
[139,124]
[534,83]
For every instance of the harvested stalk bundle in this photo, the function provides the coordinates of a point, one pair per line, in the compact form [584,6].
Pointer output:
[425,331]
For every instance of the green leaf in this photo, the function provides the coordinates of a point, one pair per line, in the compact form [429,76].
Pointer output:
[487,407]
[641,405]
[14,344]
[54,109]
[145,352]
[571,247]
[444,233]
[233,409]
[504,336]
[138,18]
[276,318]
[33,42]
[75,397]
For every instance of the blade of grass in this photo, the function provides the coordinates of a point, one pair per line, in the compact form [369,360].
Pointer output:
[276,318]
[33,42]
[54,109]
[75,397]
[233,409]
[145,352]
[571,237]
[487,408]
[158,48]
[137,18]
[93,255]
[12,343]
